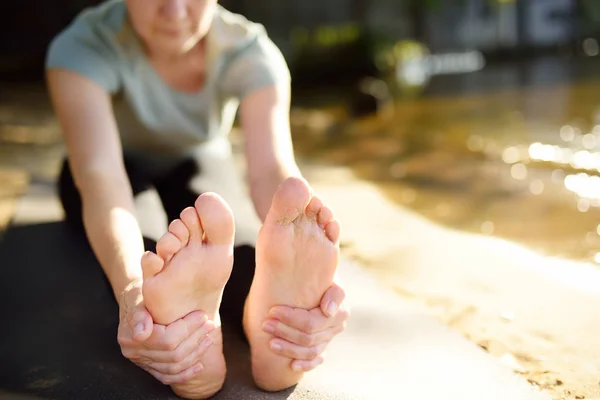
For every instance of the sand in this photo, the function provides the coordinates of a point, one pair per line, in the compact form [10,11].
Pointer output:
[537,314]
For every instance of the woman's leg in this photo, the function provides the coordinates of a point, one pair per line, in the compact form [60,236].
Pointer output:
[176,194]
[195,264]
[147,203]
[173,281]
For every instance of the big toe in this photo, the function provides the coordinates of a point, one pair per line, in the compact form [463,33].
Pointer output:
[290,199]
[216,218]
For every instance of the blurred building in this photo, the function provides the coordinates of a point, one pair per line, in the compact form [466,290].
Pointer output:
[442,25]
[506,24]
[338,33]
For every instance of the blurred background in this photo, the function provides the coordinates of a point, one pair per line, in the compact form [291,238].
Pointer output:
[481,115]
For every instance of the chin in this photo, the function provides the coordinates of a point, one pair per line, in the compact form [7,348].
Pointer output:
[173,46]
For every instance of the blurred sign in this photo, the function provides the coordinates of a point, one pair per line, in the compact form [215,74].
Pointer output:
[415,65]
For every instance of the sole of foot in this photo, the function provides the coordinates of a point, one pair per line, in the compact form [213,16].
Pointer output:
[297,254]
[193,263]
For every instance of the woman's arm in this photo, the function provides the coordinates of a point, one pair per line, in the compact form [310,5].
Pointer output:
[269,152]
[84,111]
[270,157]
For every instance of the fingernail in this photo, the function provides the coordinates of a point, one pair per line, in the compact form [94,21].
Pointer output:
[274,313]
[206,343]
[198,368]
[297,367]
[276,346]
[139,328]
[269,327]
[332,308]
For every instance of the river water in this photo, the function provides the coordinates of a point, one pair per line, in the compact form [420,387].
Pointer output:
[511,151]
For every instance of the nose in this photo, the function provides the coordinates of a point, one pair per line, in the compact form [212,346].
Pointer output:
[175,9]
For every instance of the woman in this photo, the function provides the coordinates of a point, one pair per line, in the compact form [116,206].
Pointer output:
[146,92]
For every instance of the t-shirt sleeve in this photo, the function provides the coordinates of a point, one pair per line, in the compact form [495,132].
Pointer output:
[258,65]
[81,50]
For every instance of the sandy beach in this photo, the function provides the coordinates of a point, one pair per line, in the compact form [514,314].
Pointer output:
[539,315]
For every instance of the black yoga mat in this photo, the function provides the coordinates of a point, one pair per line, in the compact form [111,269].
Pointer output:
[59,326]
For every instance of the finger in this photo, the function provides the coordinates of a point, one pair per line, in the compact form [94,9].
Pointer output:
[194,320]
[198,341]
[171,336]
[295,336]
[130,353]
[297,318]
[182,377]
[305,366]
[189,359]
[141,324]
[294,351]
[303,320]
[182,329]
[332,299]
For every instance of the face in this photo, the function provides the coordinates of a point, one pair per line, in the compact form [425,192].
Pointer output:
[171,27]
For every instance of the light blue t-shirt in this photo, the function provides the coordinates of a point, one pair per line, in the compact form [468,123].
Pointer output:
[153,118]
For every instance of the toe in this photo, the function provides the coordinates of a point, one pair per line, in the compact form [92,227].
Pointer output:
[332,230]
[290,200]
[313,208]
[325,216]
[178,228]
[151,264]
[167,246]
[217,218]
[190,218]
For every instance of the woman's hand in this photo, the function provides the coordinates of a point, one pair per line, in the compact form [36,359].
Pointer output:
[303,335]
[169,353]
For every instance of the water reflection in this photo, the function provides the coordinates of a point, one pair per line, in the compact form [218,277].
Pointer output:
[536,187]
[30,138]
[511,151]
[519,171]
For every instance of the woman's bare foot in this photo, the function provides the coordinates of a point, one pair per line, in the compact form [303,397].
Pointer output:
[189,273]
[297,255]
